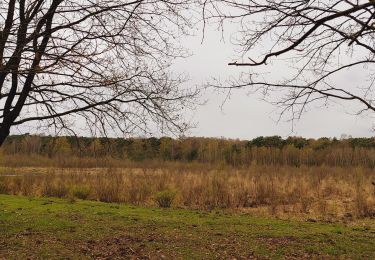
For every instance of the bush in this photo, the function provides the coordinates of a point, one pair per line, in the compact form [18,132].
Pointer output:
[80,192]
[58,190]
[165,198]
[3,187]
[364,206]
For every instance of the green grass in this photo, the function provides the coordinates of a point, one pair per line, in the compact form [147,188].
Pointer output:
[40,228]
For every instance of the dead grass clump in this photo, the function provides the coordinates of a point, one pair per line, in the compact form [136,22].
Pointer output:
[216,193]
[107,186]
[80,192]
[364,205]
[165,198]
[4,187]
[57,189]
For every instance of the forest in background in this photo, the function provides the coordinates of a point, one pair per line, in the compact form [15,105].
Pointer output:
[105,152]
[324,178]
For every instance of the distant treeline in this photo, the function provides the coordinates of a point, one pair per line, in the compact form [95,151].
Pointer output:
[274,150]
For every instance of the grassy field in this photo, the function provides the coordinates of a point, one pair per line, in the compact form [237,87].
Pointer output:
[37,228]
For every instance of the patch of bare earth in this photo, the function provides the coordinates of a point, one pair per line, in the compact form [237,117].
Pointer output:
[158,247]
[273,243]
[122,247]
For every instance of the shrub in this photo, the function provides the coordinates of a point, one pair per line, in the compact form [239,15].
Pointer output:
[80,192]
[363,205]
[165,198]
[108,188]
[3,187]
[58,190]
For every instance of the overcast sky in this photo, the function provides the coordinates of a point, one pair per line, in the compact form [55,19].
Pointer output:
[246,116]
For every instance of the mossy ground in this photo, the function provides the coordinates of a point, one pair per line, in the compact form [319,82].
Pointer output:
[41,228]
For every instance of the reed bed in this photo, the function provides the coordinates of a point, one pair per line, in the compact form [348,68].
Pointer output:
[326,192]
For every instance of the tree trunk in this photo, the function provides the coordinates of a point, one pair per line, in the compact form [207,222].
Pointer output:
[4,132]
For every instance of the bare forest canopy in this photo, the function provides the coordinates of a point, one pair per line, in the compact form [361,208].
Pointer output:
[273,150]
[108,66]
[103,63]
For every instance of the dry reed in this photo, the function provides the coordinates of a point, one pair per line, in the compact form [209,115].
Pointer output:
[313,191]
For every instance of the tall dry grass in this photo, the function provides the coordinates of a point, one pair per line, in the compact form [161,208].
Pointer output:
[66,161]
[312,191]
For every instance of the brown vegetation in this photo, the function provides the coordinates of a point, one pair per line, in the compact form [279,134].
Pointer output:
[46,151]
[325,192]
[325,178]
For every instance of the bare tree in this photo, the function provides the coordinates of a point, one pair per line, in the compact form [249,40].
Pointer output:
[322,42]
[106,61]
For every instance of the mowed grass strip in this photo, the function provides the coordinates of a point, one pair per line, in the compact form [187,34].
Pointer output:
[40,228]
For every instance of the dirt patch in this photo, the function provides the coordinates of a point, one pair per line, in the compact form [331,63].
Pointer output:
[277,241]
[155,246]
[121,247]
[274,243]
[3,249]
